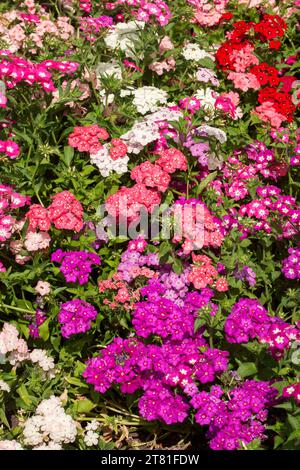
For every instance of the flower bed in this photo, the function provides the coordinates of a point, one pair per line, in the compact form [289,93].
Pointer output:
[149,225]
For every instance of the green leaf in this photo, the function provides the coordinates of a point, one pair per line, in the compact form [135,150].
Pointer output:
[204,183]
[246,369]
[3,418]
[68,155]
[294,422]
[83,406]
[44,330]
[23,393]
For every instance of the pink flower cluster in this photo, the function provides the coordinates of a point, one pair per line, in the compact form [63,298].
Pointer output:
[86,138]
[9,200]
[65,212]
[10,148]
[91,26]
[208,13]
[204,274]
[151,175]
[14,70]
[125,296]
[282,209]
[195,225]
[145,10]
[236,418]
[128,202]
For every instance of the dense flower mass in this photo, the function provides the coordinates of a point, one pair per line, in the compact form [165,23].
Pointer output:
[76,317]
[149,225]
[75,265]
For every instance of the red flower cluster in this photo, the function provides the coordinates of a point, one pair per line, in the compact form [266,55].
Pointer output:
[282,102]
[270,27]
[236,54]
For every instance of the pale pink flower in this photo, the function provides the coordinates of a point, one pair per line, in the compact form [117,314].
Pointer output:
[165,45]
[244,81]
[43,288]
[35,241]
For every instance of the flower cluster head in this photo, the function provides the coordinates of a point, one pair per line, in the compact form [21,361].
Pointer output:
[9,202]
[91,26]
[171,160]
[291,264]
[143,10]
[76,266]
[203,273]
[10,148]
[292,391]
[14,70]
[11,345]
[151,175]
[236,419]
[207,13]
[195,225]
[122,294]
[236,56]
[163,318]
[76,316]
[65,212]
[148,99]
[127,203]
[134,263]
[50,425]
[157,371]
[249,319]
[111,157]
[87,138]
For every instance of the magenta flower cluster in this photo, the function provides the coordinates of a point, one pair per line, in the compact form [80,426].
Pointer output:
[291,265]
[249,320]
[236,419]
[76,316]
[76,266]
[164,317]
[157,370]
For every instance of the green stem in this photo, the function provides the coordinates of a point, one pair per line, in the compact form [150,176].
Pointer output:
[23,310]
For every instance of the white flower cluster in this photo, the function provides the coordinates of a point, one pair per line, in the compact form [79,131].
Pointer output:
[144,132]
[10,445]
[107,165]
[148,99]
[50,425]
[50,446]
[193,52]
[124,36]
[40,357]
[91,438]
[207,98]
[12,348]
[4,387]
